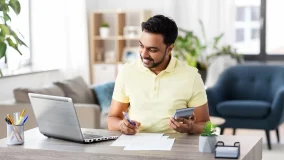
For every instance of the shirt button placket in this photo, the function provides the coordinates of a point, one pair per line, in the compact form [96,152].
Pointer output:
[153,88]
[156,82]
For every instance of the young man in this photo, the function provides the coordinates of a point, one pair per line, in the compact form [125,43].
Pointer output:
[152,88]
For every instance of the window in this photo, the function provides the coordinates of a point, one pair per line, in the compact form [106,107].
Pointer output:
[240,35]
[263,29]
[255,13]
[240,14]
[20,23]
[274,28]
[254,33]
[247,26]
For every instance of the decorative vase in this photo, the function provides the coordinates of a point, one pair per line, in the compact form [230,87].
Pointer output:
[207,143]
[104,32]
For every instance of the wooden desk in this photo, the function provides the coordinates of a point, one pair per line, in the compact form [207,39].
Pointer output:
[37,146]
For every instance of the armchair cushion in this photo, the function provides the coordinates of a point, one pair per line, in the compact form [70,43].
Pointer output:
[104,94]
[244,108]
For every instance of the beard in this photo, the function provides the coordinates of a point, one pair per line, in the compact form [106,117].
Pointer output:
[149,62]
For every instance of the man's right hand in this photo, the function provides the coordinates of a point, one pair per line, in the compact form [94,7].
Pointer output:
[127,128]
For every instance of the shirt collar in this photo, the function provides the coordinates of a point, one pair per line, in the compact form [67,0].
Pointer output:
[171,66]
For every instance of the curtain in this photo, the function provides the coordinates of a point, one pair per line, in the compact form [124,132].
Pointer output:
[59,37]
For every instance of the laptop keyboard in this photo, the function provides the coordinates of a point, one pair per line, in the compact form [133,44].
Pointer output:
[91,136]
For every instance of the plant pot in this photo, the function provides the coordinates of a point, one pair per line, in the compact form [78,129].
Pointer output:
[207,143]
[104,32]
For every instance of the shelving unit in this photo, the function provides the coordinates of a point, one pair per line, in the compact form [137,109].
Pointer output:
[107,52]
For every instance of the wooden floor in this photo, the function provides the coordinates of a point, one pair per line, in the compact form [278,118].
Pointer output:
[277,152]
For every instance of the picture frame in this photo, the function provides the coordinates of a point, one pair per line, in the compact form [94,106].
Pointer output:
[130,54]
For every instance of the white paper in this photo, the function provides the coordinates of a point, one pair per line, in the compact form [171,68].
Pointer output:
[124,140]
[161,145]
[165,137]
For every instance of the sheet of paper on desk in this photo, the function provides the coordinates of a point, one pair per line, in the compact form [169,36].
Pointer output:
[161,145]
[124,140]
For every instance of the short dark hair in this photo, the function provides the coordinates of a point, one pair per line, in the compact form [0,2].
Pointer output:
[162,25]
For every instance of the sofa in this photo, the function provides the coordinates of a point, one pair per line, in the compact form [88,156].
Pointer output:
[91,102]
[249,96]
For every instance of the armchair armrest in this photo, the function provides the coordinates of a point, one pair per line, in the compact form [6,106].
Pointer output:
[276,116]
[214,97]
[89,115]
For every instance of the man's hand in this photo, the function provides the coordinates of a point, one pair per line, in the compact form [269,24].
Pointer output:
[181,125]
[127,128]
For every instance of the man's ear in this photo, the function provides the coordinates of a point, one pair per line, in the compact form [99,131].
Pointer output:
[170,48]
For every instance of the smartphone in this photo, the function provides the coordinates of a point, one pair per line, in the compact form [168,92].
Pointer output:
[184,113]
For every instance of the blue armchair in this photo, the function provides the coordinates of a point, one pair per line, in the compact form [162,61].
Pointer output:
[249,96]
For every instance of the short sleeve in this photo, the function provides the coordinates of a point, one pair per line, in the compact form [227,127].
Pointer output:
[119,88]
[199,96]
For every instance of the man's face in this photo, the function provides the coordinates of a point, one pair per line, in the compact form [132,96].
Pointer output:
[152,49]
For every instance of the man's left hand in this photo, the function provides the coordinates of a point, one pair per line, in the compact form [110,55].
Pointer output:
[181,125]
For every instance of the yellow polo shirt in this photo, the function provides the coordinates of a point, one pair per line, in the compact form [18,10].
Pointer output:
[154,98]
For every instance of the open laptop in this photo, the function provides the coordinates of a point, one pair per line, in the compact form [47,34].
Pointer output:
[56,117]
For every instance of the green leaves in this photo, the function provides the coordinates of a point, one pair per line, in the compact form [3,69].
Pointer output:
[17,38]
[217,40]
[3,48]
[3,6]
[6,17]
[4,30]
[209,129]
[226,50]
[15,5]
[7,35]
[2,38]
[191,49]
[13,45]
[188,47]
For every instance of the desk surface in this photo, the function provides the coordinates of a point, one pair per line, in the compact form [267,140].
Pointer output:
[37,146]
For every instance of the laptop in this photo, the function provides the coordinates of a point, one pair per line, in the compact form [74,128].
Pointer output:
[57,118]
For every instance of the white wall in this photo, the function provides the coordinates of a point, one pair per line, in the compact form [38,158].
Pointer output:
[155,5]
[216,14]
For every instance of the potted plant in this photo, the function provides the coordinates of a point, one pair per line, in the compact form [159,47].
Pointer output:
[226,50]
[8,37]
[188,48]
[208,138]
[104,30]
[191,49]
